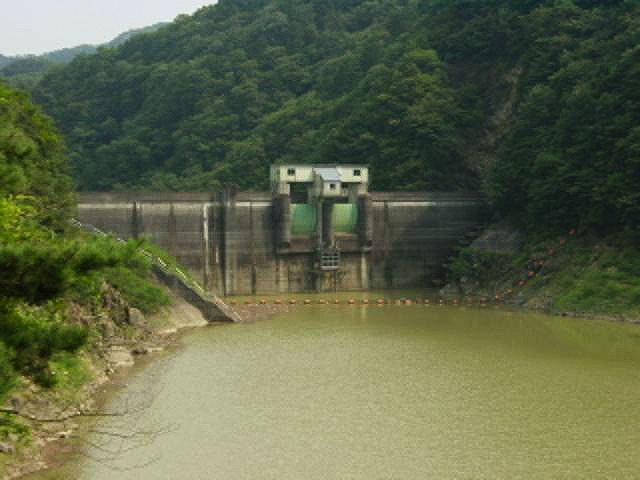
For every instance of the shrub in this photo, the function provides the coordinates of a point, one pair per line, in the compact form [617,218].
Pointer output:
[479,266]
[34,335]
[137,289]
[7,372]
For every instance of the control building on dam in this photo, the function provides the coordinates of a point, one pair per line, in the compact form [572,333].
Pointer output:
[318,229]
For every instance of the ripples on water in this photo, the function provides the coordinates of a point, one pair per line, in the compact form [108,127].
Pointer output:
[394,392]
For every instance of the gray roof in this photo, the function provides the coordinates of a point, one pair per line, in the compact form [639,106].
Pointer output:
[328,174]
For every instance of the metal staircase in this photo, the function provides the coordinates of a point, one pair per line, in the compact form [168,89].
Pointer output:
[329,260]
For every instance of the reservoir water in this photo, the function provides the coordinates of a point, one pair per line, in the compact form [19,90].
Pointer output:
[392,392]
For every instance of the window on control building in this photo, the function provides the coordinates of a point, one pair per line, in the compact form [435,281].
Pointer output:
[291,172]
[356,172]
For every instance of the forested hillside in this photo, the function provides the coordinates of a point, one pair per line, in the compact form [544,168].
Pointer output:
[534,101]
[26,70]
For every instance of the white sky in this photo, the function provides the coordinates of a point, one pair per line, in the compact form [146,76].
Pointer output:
[38,26]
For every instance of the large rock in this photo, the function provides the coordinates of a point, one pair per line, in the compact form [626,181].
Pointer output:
[6,448]
[450,290]
[136,317]
[498,239]
[106,327]
[119,357]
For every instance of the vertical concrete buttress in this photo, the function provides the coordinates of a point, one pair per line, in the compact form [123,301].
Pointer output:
[135,221]
[319,224]
[252,248]
[172,228]
[365,220]
[364,271]
[230,250]
[206,248]
[388,264]
[282,212]
[216,220]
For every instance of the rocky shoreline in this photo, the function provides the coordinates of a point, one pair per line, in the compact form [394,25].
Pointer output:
[125,338]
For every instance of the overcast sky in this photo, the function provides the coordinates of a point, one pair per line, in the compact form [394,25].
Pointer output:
[37,26]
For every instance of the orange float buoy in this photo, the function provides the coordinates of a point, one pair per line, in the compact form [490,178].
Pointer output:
[322,302]
[541,263]
[293,301]
[551,252]
[456,301]
[248,302]
[510,291]
[408,302]
[572,232]
[307,301]
[365,301]
[522,283]
[278,302]
[233,302]
[532,274]
[497,297]
[263,302]
[380,301]
[336,301]
[352,301]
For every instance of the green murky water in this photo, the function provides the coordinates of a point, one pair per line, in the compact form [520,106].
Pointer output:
[393,392]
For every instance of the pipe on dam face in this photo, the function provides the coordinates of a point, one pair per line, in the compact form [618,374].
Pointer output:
[365,220]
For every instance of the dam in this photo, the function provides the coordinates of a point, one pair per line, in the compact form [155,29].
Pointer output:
[318,229]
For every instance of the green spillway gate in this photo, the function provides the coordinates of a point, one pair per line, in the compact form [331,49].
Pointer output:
[303,219]
[345,217]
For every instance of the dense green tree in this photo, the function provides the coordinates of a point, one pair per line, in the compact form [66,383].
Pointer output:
[35,198]
[571,157]
[32,159]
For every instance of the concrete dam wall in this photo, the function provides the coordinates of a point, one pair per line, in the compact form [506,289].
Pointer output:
[242,243]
